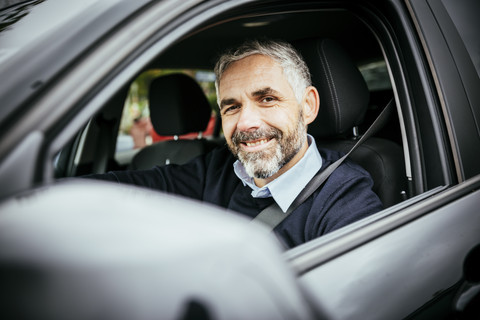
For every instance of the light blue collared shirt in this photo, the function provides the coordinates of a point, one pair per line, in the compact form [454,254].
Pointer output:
[286,187]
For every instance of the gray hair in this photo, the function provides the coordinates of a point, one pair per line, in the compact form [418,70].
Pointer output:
[294,67]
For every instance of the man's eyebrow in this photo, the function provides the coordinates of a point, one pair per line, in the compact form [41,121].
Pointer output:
[264,92]
[258,93]
[226,102]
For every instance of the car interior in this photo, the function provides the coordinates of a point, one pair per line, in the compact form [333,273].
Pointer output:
[348,67]
[177,106]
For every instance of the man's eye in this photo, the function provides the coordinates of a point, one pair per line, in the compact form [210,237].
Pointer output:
[231,109]
[268,99]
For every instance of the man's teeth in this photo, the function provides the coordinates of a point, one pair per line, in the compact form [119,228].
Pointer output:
[252,144]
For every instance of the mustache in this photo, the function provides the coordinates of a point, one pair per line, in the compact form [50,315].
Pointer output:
[268,133]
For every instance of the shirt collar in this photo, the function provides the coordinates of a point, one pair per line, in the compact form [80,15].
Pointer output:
[286,187]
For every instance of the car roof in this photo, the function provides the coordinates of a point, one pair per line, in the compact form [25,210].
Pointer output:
[38,39]
[292,25]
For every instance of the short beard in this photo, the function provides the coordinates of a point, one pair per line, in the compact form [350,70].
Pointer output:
[264,164]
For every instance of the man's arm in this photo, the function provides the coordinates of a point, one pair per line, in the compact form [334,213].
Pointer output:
[186,180]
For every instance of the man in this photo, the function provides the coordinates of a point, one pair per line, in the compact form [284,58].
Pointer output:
[266,102]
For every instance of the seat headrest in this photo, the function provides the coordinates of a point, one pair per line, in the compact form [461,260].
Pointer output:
[178,105]
[344,95]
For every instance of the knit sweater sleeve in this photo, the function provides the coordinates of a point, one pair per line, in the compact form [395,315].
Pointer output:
[187,180]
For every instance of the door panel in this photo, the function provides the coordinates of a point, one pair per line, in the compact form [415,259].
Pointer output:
[396,274]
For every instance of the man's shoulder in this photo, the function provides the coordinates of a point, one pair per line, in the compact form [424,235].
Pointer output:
[217,162]
[329,155]
[220,155]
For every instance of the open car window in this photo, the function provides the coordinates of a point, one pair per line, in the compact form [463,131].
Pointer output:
[123,126]
[107,144]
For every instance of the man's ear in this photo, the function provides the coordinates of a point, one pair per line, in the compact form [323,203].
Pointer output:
[311,104]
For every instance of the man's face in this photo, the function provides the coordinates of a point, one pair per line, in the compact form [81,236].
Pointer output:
[262,120]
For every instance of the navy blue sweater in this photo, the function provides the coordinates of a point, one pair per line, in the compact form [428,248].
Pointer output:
[345,197]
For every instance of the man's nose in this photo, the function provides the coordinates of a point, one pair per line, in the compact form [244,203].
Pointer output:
[250,118]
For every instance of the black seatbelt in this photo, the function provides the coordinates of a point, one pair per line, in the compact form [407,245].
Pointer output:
[273,215]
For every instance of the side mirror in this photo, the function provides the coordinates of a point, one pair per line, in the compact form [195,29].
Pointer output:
[89,249]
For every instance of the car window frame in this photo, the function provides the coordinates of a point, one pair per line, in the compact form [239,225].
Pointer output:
[93,94]
[447,66]
[386,43]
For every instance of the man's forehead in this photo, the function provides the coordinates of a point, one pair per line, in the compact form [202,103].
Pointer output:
[256,57]
[256,63]
[257,71]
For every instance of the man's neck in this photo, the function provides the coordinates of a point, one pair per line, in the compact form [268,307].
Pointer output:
[262,182]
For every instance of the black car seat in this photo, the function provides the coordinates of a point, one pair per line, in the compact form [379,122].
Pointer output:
[344,100]
[177,106]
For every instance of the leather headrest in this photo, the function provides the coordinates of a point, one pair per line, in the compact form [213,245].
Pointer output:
[178,105]
[344,95]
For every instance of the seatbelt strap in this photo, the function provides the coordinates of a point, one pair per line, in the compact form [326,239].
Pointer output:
[272,215]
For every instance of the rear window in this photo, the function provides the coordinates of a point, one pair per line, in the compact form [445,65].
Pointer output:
[376,75]
[136,130]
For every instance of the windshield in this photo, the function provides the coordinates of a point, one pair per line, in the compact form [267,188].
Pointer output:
[27,22]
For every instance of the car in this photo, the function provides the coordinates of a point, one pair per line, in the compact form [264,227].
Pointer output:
[75,81]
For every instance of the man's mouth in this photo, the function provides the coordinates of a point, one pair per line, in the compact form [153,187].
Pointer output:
[255,143]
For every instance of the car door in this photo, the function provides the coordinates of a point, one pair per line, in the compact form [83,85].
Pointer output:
[420,262]
[407,265]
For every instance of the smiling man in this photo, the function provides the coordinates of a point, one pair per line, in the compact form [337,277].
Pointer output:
[266,103]
[263,123]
